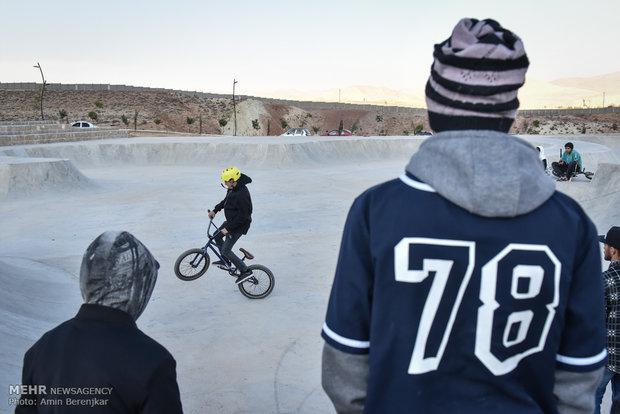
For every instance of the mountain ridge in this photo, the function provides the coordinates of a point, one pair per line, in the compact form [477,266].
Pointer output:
[560,93]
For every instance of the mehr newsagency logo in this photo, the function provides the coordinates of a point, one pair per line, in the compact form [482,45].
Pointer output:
[43,395]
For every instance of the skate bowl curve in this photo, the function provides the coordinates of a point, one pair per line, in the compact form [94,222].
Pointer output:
[234,355]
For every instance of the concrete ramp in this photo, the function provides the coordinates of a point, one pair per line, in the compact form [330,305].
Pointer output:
[28,287]
[254,151]
[26,170]
[25,176]
[601,197]
[234,355]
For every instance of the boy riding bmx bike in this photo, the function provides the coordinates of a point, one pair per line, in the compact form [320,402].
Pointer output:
[237,206]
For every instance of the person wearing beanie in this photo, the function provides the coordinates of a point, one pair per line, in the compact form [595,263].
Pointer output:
[99,359]
[449,295]
[568,164]
[611,280]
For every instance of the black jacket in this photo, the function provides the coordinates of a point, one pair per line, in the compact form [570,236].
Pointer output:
[237,206]
[101,348]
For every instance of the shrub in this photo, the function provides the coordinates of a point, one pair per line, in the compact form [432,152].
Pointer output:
[222,123]
[92,115]
[157,121]
[189,121]
[98,104]
[255,124]
[125,120]
[283,123]
[536,123]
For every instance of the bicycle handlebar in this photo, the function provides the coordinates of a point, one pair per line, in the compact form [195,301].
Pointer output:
[215,233]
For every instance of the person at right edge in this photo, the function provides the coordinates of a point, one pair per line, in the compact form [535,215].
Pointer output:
[611,281]
[452,292]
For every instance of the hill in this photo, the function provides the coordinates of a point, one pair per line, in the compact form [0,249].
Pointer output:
[151,112]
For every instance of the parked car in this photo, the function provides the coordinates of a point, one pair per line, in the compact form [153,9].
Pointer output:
[344,132]
[297,132]
[83,124]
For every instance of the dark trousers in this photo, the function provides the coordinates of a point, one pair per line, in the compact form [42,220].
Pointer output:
[609,376]
[565,170]
[226,244]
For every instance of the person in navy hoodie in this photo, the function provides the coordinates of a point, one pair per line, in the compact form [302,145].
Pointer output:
[452,293]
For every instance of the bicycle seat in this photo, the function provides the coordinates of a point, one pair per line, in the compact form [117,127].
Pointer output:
[247,254]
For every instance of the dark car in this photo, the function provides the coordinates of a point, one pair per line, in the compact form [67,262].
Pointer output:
[334,133]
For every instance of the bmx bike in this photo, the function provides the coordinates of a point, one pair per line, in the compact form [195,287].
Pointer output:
[193,263]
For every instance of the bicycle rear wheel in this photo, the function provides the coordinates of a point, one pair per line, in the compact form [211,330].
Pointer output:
[191,264]
[259,285]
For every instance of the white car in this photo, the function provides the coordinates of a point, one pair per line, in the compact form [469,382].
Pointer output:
[297,132]
[83,124]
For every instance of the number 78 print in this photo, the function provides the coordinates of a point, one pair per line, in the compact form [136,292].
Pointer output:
[517,327]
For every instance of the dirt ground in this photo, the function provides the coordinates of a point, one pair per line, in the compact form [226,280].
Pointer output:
[172,112]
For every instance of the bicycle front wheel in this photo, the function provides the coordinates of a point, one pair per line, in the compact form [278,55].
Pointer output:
[191,264]
[259,285]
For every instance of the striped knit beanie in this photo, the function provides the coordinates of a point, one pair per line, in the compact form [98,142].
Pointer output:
[475,77]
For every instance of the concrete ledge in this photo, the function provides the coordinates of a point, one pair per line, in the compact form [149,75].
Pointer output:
[68,136]
[23,176]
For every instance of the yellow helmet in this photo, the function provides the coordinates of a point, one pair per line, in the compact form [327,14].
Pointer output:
[231,173]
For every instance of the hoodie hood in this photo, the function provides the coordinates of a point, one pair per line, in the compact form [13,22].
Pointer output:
[488,173]
[118,271]
[243,181]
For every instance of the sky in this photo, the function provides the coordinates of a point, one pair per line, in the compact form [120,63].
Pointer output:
[269,46]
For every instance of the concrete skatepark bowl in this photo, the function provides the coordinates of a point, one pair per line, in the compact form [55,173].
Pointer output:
[234,355]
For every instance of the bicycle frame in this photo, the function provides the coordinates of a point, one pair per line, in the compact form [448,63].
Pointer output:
[211,244]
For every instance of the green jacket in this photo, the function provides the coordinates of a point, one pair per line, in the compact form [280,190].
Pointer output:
[573,156]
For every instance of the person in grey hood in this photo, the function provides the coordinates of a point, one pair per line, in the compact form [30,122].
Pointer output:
[100,357]
[452,293]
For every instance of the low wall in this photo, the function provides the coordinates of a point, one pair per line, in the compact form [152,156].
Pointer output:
[45,132]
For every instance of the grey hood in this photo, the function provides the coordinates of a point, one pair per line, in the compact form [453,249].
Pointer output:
[118,271]
[488,173]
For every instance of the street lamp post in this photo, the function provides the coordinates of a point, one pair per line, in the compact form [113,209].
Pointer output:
[234,109]
[38,66]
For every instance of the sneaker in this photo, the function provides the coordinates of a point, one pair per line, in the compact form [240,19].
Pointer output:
[244,276]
